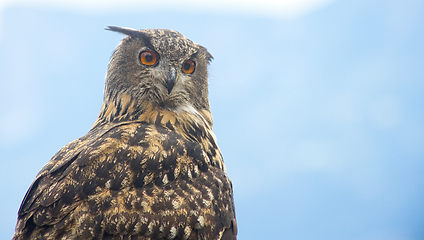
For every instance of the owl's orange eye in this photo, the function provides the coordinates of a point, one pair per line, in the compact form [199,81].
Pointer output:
[148,58]
[188,66]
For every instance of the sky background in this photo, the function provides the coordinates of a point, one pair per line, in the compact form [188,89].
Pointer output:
[318,105]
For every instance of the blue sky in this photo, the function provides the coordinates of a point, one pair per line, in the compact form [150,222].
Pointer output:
[318,109]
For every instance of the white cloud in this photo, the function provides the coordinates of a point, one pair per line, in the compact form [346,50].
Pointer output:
[282,9]
[269,8]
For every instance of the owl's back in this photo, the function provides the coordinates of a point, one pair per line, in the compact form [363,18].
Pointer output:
[136,180]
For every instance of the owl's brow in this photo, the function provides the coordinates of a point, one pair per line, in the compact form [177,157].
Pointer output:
[146,39]
[194,55]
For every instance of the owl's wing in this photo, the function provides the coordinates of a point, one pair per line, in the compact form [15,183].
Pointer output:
[54,170]
[129,180]
[40,206]
[230,232]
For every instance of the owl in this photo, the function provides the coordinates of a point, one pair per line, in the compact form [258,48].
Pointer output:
[150,167]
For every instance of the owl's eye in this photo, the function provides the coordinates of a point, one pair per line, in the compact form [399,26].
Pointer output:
[188,66]
[148,58]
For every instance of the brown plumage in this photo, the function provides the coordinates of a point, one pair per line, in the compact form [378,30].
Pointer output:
[150,167]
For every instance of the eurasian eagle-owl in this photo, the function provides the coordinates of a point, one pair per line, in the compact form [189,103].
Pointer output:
[150,167]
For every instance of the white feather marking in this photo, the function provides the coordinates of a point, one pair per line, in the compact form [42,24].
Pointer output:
[210,194]
[165,179]
[187,232]
[150,228]
[196,169]
[107,184]
[173,233]
[144,220]
[200,222]
[176,204]
[207,203]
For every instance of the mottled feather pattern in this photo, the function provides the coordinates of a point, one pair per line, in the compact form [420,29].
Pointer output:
[143,171]
[152,166]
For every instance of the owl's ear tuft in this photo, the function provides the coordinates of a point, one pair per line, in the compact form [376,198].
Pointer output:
[127,31]
[209,56]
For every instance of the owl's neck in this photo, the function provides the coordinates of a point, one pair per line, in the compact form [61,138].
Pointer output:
[124,108]
[194,125]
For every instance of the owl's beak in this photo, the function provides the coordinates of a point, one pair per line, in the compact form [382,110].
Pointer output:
[170,80]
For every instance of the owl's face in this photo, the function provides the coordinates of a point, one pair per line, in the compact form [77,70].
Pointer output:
[160,66]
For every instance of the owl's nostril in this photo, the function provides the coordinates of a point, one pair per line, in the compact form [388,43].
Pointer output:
[170,80]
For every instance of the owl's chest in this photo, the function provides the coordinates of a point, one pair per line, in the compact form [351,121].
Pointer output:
[154,181]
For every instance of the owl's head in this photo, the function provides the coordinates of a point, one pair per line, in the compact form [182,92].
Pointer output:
[158,66]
